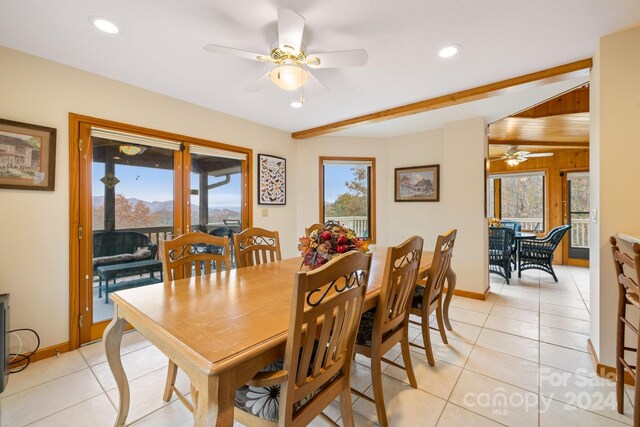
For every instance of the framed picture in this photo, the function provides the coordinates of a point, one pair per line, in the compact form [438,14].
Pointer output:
[27,156]
[272,180]
[418,184]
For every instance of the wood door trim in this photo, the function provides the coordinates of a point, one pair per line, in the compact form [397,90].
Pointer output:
[75,120]
[549,75]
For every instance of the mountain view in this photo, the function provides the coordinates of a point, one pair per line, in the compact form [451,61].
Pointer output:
[136,213]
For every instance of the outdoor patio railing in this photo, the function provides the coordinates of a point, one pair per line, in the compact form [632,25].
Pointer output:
[359,224]
[579,230]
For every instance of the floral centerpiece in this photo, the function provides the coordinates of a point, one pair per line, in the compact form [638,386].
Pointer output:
[325,243]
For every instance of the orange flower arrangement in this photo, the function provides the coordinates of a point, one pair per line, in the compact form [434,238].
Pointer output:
[331,240]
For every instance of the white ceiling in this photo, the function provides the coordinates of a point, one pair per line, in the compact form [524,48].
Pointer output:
[160,48]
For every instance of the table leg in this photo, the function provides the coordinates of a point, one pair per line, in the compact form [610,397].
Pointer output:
[214,406]
[451,287]
[112,341]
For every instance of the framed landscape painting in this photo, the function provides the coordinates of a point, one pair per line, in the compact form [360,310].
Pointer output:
[272,180]
[418,184]
[27,156]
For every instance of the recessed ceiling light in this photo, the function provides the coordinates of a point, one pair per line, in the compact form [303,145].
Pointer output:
[104,25]
[449,51]
[296,104]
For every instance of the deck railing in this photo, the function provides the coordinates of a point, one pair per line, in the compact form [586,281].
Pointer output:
[579,230]
[359,224]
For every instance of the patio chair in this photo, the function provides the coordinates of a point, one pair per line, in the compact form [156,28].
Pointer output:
[538,253]
[428,295]
[501,241]
[517,227]
[386,325]
[628,295]
[183,257]
[316,369]
[255,246]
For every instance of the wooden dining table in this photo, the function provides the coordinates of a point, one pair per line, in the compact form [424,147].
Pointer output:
[221,329]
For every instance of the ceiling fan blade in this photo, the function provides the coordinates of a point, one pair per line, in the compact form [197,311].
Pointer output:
[522,153]
[539,155]
[290,29]
[223,50]
[344,58]
[259,84]
[314,86]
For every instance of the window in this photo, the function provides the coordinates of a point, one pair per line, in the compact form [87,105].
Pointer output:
[519,198]
[347,193]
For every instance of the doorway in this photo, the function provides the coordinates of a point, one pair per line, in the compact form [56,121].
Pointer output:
[132,189]
[577,202]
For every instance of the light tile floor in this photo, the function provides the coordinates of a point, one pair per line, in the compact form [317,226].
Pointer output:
[519,358]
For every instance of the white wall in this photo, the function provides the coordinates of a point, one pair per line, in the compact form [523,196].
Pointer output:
[460,149]
[615,155]
[34,255]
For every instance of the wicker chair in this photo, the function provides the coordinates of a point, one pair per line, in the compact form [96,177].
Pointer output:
[538,254]
[517,227]
[501,241]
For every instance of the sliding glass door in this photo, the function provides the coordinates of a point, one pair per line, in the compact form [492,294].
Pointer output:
[133,192]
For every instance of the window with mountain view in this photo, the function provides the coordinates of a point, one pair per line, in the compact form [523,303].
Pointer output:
[519,198]
[348,193]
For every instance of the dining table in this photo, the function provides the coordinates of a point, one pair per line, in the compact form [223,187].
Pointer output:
[221,329]
[519,237]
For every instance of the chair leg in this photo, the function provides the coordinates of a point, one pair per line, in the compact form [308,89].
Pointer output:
[426,338]
[378,396]
[346,411]
[406,357]
[172,372]
[620,328]
[553,273]
[441,329]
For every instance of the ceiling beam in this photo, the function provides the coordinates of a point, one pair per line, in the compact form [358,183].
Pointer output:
[539,78]
[572,144]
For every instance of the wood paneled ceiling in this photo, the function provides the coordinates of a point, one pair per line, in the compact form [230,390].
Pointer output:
[559,123]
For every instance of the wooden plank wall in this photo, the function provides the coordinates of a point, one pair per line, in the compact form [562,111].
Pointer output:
[561,161]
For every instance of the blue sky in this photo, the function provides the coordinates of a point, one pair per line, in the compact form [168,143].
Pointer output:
[153,185]
[334,178]
[157,184]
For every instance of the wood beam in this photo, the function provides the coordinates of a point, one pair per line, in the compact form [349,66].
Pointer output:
[571,144]
[550,75]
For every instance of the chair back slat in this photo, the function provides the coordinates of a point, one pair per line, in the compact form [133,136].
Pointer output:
[629,281]
[255,246]
[398,286]
[327,304]
[193,254]
[312,228]
[441,264]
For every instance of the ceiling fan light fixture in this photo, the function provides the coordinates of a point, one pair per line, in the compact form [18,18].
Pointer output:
[512,162]
[289,76]
[449,51]
[104,24]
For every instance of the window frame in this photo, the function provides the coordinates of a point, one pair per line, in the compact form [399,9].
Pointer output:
[371,190]
[497,194]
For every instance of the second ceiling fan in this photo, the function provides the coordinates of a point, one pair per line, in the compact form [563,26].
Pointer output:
[513,156]
[293,64]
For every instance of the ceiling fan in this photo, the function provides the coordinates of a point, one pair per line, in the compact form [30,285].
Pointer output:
[292,63]
[513,156]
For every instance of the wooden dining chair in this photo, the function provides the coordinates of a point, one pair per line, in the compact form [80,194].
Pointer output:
[256,246]
[382,327]
[325,312]
[312,228]
[628,295]
[428,294]
[183,257]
